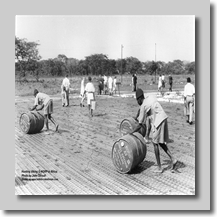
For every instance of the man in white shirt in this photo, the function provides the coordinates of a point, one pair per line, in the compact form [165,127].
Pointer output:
[189,94]
[90,93]
[110,85]
[66,85]
[160,83]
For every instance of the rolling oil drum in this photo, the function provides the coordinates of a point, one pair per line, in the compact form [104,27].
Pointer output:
[31,122]
[128,125]
[128,151]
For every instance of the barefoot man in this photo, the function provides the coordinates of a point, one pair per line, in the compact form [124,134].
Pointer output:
[47,103]
[150,107]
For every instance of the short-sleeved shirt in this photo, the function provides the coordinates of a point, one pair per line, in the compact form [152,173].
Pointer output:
[159,81]
[114,81]
[151,107]
[82,87]
[105,79]
[189,90]
[66,83]
[42,99]
[110,81]
[89,87]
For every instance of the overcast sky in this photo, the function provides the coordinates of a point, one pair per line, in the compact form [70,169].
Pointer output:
[81,36]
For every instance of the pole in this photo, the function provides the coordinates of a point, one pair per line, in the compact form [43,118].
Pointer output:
[155,63]
[121,61]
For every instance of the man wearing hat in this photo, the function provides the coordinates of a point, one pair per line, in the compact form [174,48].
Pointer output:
[150,107]
[45,102]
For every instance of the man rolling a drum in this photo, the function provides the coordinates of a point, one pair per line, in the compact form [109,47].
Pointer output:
[42,100]
[150,107]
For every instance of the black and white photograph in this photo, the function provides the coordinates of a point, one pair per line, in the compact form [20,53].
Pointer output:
[105,105]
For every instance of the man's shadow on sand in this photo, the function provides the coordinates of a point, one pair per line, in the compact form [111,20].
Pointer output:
[147,164]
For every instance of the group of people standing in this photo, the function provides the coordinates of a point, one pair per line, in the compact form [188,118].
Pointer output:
[161,83]
[87,91]
[107,85]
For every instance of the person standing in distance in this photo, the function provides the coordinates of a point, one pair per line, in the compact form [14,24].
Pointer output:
[170,82]
[63,95]
[163,81]
[66,85]
[114,85]
[134,82]
[110,85]
[150,107]
[90,93]
[160,83]
[189,100]
[82,92]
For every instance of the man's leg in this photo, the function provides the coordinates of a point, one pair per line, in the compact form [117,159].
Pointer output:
[186,111]
[89,109]
[46,121]
[157,155]
[63,98]
[190,112]
[67,97]
[53,121]
[148,128]
[167,151]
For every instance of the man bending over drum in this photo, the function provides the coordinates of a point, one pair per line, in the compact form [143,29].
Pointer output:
[43,101]
[150,107]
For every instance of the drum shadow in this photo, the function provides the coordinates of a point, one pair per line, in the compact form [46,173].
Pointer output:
[60,131]
[99,115]
[141,167]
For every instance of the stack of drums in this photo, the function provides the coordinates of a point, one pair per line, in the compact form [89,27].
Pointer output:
[129,151]
[31,122]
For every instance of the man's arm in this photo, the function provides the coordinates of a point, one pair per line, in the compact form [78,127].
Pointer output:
[32,108]
[138,128]
[137,115]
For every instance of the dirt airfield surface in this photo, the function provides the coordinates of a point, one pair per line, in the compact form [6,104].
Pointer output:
[77,159]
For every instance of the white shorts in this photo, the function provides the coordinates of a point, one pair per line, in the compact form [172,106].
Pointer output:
[89,98]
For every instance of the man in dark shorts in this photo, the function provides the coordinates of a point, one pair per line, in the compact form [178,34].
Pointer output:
[150,107]
[43,101]
[170,82]
[134,82]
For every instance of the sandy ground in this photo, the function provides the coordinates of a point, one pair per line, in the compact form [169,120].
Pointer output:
[78,157]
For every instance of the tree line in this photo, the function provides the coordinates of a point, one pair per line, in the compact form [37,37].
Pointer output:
[29,62]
